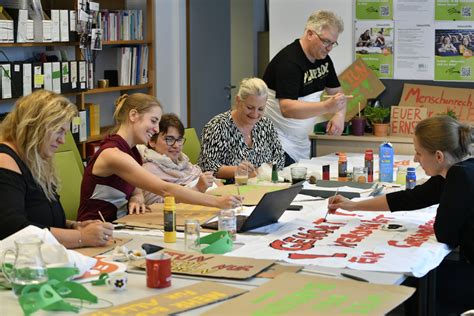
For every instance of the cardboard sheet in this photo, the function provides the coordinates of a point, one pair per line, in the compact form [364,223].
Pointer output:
[362,83]
[437,99]
[290,294]
[110,245]
[183,299]
[213,266]
[403,119]
[154,218]
[277,269]
[252,193]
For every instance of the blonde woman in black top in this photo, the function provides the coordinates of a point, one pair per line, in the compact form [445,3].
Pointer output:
[29,137]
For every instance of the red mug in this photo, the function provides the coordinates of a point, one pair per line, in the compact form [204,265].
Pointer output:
[158,270]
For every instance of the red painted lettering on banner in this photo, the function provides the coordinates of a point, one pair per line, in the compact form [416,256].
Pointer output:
[292,244]
[382,219]
[356,235]
[310,256]
[304,239]
[423,234]
[368,257]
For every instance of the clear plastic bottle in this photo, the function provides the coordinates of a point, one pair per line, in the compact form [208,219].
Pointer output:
[228,222]
[169,218]
[411,178]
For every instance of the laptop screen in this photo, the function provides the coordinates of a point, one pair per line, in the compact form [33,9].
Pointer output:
[270,208]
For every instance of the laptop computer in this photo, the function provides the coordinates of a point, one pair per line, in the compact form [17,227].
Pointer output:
[270,208]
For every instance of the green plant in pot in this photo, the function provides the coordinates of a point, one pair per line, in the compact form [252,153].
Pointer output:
[378,118]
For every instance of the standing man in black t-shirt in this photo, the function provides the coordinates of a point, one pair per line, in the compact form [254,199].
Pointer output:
[297,76]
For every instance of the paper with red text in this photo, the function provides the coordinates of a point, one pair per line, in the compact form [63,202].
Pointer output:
[355,240]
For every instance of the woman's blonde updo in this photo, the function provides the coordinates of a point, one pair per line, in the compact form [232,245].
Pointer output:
[140,102]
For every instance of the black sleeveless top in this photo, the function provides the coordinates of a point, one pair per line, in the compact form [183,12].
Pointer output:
[23,202]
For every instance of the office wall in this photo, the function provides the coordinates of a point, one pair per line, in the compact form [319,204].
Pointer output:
[287,22]
[170,55]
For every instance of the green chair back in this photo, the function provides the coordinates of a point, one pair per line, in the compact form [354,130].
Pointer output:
[70,169]
[192,147]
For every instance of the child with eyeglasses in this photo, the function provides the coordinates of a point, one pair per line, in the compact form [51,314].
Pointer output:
[164,157]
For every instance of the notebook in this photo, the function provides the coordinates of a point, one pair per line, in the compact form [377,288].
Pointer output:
[270,208]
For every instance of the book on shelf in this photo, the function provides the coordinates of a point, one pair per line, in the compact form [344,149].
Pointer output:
[94,118]
[6,27]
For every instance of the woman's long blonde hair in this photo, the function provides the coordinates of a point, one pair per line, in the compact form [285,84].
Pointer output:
[31,122]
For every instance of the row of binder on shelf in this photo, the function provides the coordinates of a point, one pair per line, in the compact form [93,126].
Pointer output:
[21,78]
[87,123]
[58,26]
[122,25]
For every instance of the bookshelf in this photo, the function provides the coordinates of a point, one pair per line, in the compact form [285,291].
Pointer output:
[106,59]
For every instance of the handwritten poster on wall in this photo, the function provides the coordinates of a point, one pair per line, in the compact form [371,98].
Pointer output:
[403,119]
[438,100]
[290,294]
[355,240]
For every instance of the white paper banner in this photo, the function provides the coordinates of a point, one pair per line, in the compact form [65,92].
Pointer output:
[355,240]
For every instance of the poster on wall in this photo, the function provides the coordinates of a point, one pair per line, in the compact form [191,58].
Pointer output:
[454,46]
[374,45]
[374,9]
[412,51]
[438,100]
[454,10]
[409,10]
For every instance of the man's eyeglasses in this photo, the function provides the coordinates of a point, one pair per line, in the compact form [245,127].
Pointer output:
[326,43]
[170,140]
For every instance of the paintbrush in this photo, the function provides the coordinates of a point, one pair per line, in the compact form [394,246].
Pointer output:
[103,220]
[327,212]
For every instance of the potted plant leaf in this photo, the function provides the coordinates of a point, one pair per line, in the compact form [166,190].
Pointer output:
[378,116]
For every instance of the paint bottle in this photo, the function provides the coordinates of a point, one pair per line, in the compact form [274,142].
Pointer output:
[386,162]
[411,178]
[274,173]
[342,168]
[369,164]
[169,218]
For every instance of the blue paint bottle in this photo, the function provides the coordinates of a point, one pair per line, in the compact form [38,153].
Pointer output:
[386,162]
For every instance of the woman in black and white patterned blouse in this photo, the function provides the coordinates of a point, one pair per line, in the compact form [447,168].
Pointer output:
[241,136]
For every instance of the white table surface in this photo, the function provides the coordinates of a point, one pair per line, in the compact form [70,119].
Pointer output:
[137,289]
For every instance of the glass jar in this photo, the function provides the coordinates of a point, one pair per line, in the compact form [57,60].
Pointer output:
[401,175]
[228,222]
[359,174]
